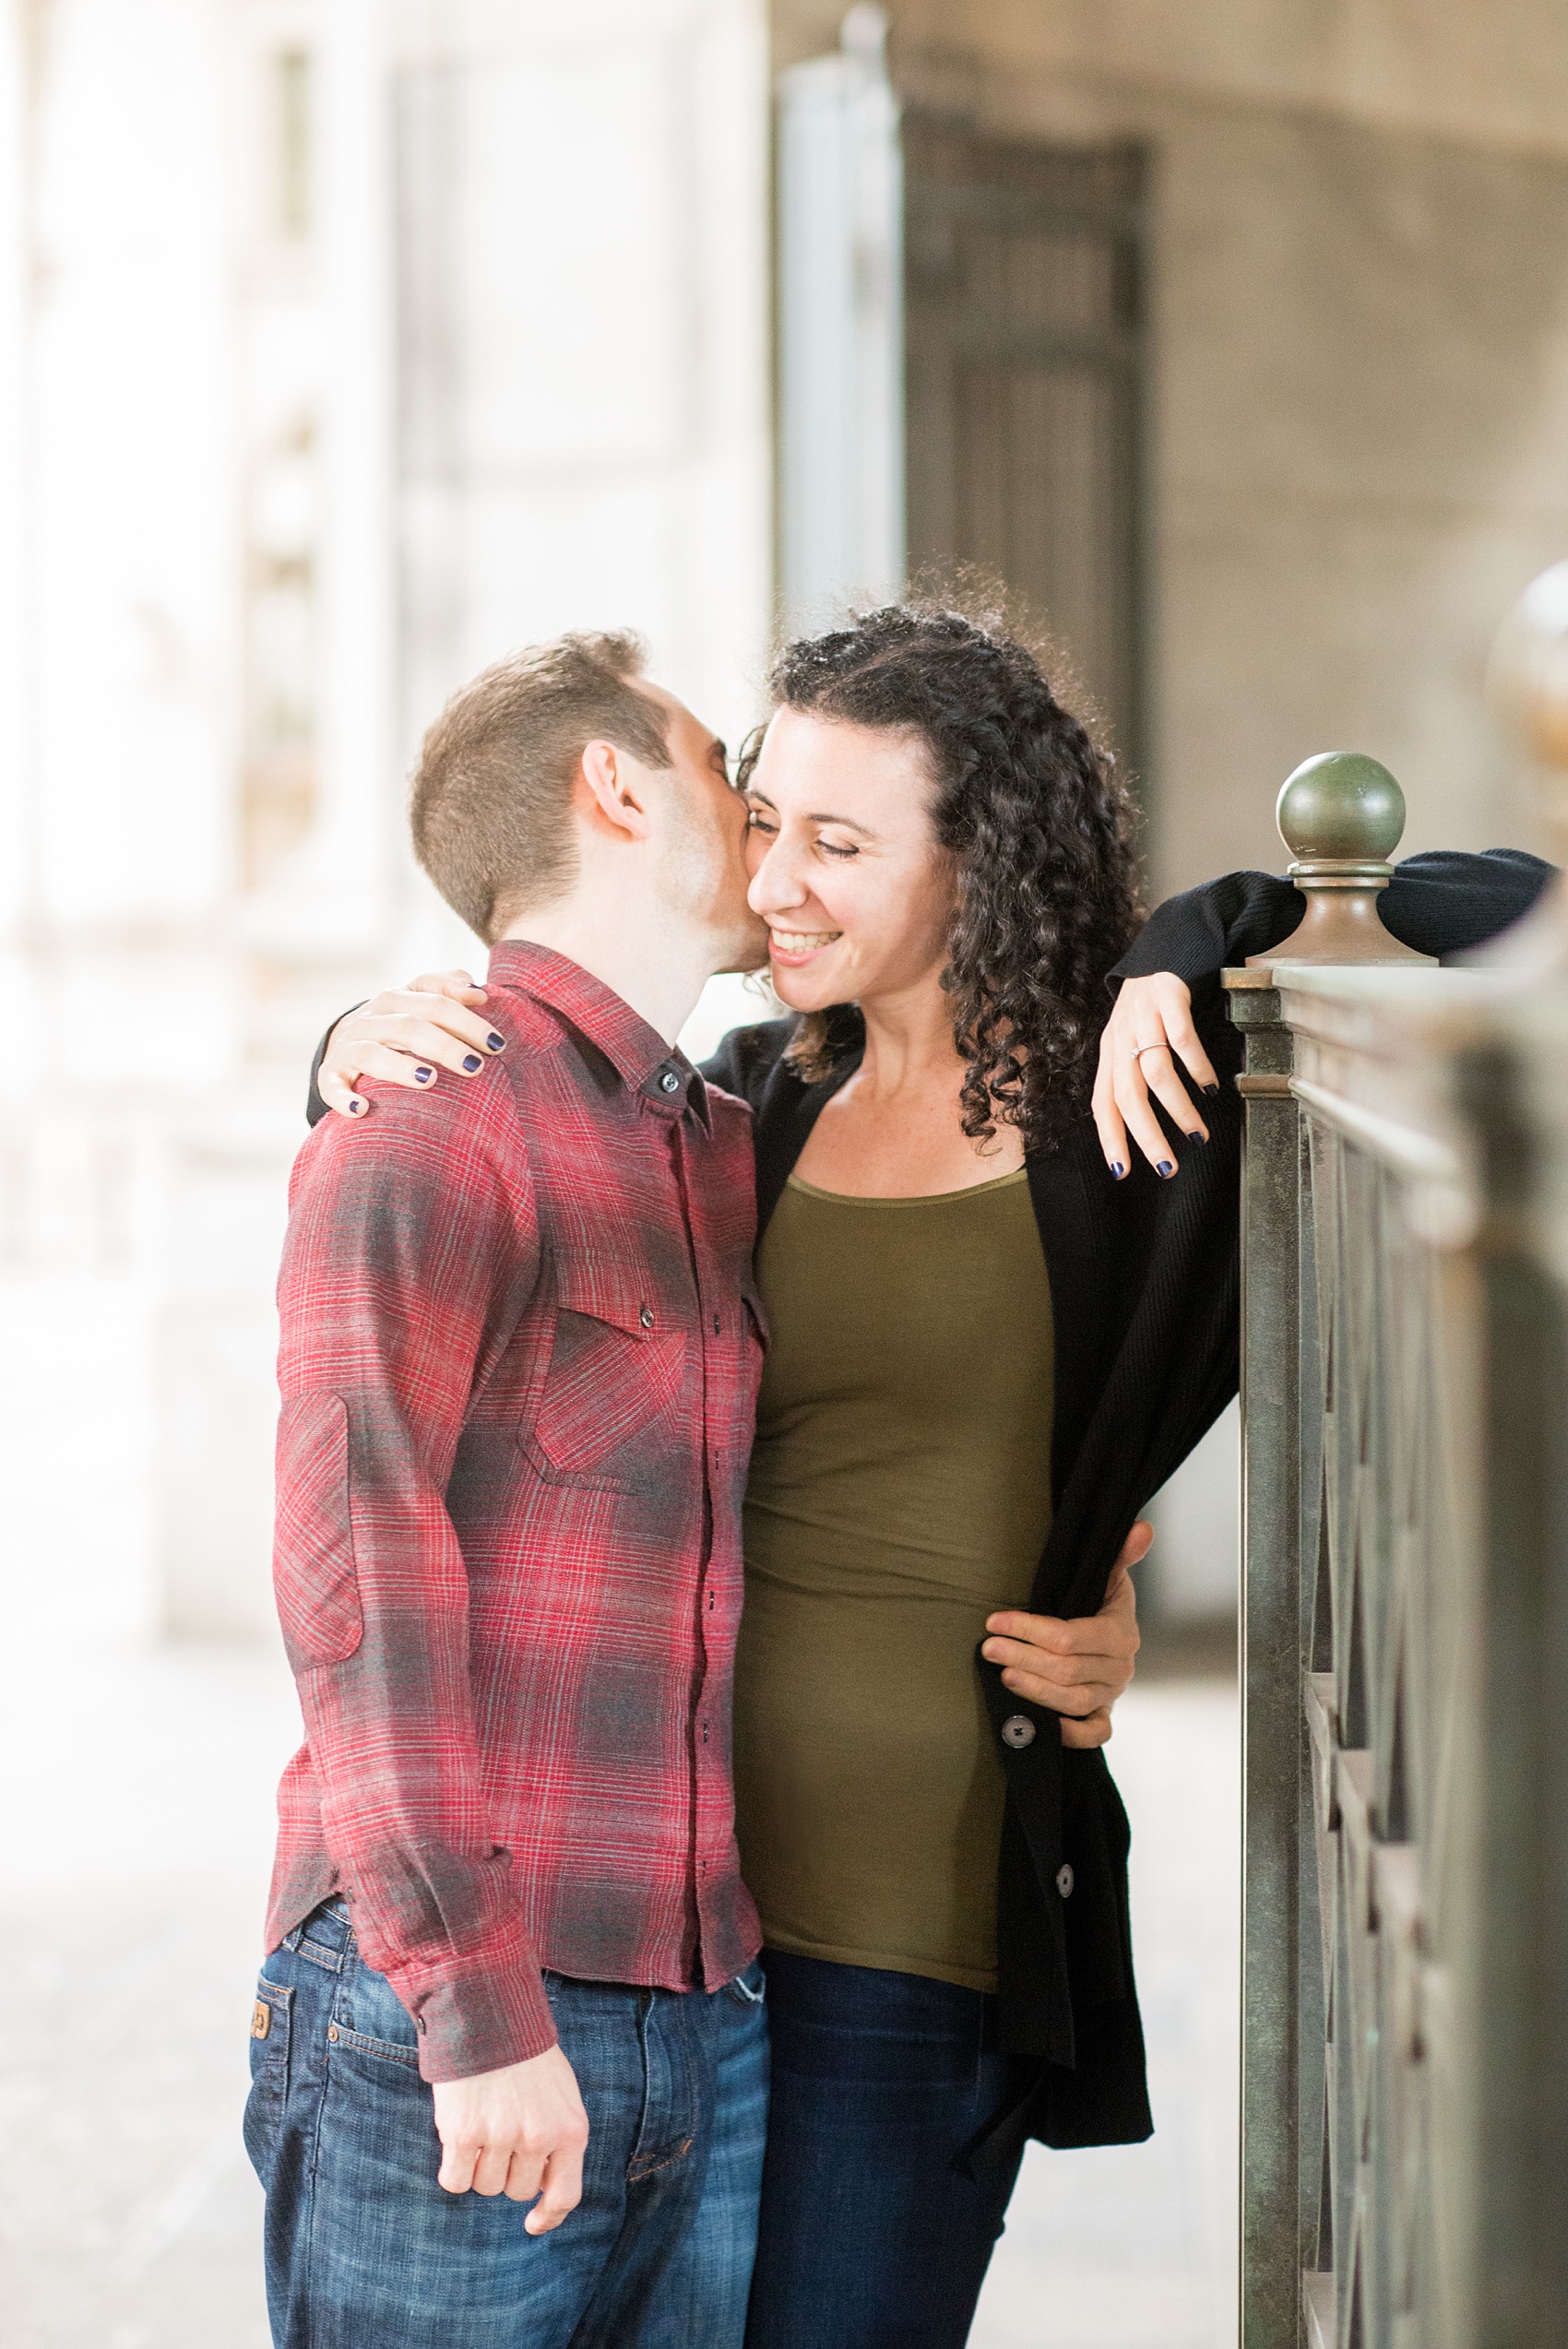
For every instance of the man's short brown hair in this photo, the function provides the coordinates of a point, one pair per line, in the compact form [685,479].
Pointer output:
[490,808]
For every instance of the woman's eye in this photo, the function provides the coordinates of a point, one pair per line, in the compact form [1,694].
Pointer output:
[832,848]
[755,823]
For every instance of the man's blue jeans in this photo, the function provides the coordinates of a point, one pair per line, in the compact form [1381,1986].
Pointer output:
[364,2250]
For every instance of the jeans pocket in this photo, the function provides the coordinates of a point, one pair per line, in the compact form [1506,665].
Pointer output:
[750,1989]
[271,2018]
[371,2019]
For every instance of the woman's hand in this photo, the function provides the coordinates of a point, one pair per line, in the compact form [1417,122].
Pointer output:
[1150,1029]
[1079,1667]
[403,1035]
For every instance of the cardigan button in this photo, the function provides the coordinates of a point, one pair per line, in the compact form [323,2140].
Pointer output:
[1017,1730]
[1064,1880]
[646,1317]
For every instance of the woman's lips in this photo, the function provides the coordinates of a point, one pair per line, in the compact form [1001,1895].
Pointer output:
[797,946]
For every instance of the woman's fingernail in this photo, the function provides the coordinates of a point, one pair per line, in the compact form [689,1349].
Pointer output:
[1117,1171]
[496,1043]
[1211,1090]
[423,1076]
[1165,1168]
[355,1108]
[1197,1137]
[471,1061]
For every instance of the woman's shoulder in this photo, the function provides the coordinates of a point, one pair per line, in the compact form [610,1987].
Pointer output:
[753,1062]
[747,1057]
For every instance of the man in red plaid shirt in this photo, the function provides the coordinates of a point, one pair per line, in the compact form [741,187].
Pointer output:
[511,1953]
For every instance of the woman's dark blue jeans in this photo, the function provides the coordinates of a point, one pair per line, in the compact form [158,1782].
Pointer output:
[870,2238]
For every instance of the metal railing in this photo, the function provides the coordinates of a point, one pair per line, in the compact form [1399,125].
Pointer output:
[1404,1410]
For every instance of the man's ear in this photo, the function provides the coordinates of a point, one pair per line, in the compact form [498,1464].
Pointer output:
[616,789]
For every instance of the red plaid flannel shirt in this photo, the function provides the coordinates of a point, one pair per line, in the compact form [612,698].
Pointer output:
[520,1352]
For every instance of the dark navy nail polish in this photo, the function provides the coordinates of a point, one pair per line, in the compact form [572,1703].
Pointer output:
[1196,1136]
[496,1043]
[1165,1168]
[1118,1171]
[356,1108]
[1210,1091]
[423,1076]
[471,1061]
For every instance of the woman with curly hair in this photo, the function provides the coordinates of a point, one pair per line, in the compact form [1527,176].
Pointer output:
[995,1331]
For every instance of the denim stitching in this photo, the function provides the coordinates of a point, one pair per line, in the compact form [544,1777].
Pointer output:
[319,1954]
[347,2038]
[637,2171]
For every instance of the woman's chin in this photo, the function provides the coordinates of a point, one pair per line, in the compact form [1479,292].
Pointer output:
[803,990]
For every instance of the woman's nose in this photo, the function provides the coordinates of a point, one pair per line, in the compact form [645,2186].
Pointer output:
[774,883]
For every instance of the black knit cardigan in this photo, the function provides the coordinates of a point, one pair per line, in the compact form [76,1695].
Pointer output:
[1145,1292]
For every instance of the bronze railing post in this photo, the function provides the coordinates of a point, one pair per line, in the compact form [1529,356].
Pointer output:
[1341,814]
[1405,1531]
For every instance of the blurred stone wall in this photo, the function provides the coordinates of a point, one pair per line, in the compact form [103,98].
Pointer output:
[345,345]
[1358,438]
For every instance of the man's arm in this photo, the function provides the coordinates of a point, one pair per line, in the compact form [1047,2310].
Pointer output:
[397,1265]
[1076,1666]
[406,1262]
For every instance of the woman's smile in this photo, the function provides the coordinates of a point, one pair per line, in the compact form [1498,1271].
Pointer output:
[797,946]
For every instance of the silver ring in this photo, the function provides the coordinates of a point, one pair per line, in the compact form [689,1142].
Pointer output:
[1161,1046]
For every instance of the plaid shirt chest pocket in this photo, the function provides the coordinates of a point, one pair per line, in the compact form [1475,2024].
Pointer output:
[610,1409]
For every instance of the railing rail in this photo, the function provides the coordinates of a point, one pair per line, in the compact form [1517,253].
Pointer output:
[1405,1529]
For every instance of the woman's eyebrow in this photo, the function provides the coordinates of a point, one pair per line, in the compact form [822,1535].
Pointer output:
[863,829]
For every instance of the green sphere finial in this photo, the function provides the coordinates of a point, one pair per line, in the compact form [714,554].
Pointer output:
[1341,805]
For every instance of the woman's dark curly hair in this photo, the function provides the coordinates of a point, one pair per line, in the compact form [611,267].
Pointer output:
[1039,826]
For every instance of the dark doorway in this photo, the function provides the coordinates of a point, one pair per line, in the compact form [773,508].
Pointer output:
[1025,306]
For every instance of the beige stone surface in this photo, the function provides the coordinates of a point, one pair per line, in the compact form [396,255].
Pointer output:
[1357,440]
[1498,72]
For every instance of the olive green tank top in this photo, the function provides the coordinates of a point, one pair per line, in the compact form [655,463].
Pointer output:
[899,1491]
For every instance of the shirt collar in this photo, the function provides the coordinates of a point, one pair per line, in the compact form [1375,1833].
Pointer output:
[658,1072]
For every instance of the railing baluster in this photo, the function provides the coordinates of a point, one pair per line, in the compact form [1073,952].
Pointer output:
[1271,1717]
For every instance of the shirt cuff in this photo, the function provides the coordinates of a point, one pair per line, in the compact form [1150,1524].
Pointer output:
[478,2013]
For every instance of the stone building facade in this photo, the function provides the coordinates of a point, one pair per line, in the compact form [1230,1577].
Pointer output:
[1352,325]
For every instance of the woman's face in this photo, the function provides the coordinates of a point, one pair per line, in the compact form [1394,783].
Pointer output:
[845,872]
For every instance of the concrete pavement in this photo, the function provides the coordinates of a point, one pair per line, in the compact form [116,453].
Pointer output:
[135,1844]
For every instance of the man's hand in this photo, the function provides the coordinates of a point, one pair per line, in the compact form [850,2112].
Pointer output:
[1078,1669]
[1150,1029]
[404,1035]
[519,2132]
